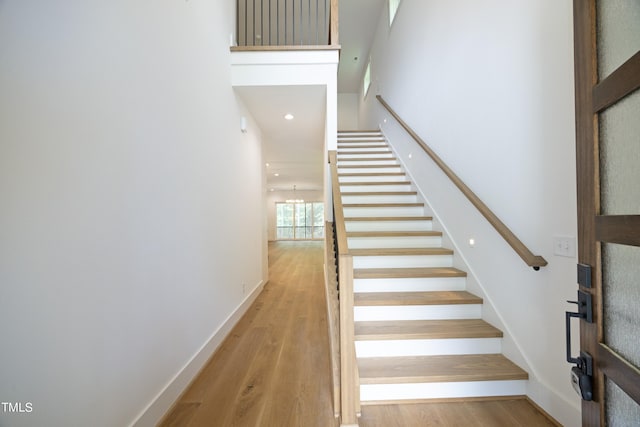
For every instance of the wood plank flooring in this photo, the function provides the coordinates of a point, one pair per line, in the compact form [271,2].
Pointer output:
[273,369]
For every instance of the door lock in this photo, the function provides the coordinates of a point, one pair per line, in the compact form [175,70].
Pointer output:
[581,376]
[582,373]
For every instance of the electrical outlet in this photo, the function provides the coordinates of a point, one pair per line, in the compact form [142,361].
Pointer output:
[564,246]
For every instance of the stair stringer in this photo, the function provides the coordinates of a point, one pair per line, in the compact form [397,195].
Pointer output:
[510,346]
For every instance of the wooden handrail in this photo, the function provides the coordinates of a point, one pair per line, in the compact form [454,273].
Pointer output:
[349,383]
[535,261]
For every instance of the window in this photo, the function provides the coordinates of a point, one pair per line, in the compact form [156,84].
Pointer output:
[367,79]
[393,8]
[299,221]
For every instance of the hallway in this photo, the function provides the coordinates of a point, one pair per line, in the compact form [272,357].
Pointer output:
[273,370]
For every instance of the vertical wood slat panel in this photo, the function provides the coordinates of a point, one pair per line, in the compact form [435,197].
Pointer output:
[333,26]
[286,22]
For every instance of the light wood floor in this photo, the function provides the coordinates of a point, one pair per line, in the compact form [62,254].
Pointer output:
[273,369]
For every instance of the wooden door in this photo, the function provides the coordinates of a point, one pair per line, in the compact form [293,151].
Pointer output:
[607,71]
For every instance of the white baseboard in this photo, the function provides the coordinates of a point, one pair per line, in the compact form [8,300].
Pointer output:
[565,409]
[165,400]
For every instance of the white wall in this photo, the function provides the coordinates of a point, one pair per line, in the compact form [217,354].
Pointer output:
[274,197]
[122,248]
[348,111]
[291,68]
[489,85]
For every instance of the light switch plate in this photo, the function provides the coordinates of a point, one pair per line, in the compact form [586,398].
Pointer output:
[564,246]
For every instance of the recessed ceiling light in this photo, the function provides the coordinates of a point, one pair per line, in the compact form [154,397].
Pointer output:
[266,164]
[273,189]
[276,174]
[288,116]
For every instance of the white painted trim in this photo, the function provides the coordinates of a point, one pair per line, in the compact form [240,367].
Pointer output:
[296,57]
[565,409]
[402,261]
[417,312]
[163,402]
[410,284]
[441,390]
[428,347]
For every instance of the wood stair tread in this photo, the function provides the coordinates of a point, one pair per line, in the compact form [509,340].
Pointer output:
[389,218]
[373,183]
[379,193]
[427,233]
[381,205]
[363,174]
[399,273]
[425,329]
[354,153]
[399,251]
[395,165]
[361,143]
[360,138]
[349,146]
[367,159]
[448,368]
[415,298]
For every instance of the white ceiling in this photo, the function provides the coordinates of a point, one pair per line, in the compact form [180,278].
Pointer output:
[292,148]
[295,149]
[358,22]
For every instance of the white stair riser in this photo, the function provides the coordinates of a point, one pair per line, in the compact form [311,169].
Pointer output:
[394,242]
[443,390]
[360,138]
[389,162]
[372,178]
[378,153]
[384,211]
[410,198]
[358,150]
[410,284]
[415,225]
[364,169]
[417,312]
[362,146]
[404,261]
[374,188]
[428,347]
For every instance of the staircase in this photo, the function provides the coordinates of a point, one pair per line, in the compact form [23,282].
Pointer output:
[419,334]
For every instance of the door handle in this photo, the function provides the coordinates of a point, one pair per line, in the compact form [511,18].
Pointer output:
[582,373]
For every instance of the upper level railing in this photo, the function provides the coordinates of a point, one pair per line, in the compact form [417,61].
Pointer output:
[535,261]
[287,23]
